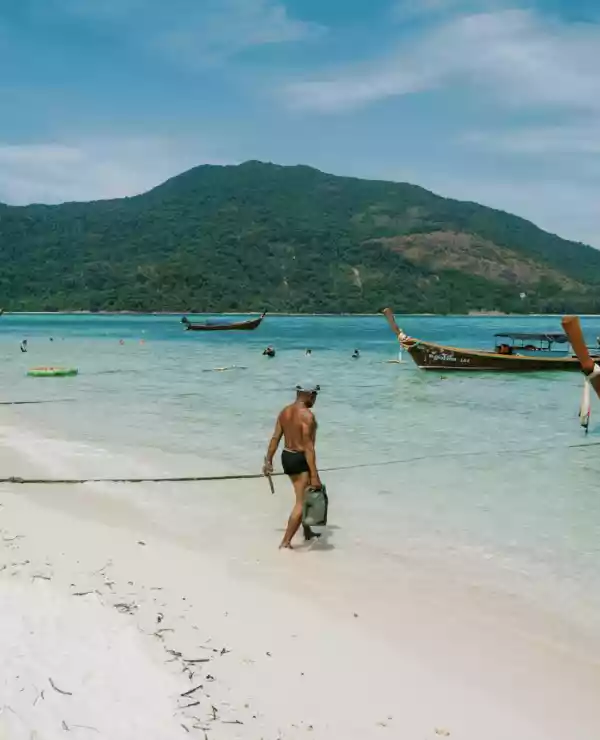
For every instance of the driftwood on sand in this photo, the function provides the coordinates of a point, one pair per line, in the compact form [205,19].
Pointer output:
[189,692]
[60,691]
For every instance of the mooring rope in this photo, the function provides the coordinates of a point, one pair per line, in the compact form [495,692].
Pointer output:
[23,403]
[256,476]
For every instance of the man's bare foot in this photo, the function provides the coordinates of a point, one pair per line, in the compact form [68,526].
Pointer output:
[285,546]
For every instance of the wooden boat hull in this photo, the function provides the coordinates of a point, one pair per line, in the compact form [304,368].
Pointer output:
[249,325]
[429,356]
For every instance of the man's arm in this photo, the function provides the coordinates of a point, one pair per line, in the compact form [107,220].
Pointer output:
[272,448]
[308,433]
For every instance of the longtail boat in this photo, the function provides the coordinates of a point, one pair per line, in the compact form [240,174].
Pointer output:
[513,352]
[248,325]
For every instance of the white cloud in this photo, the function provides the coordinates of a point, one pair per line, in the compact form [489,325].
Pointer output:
[193,32]
[365,85]
[418,9]
[232,27]
[90,170]
[514,56]
[241,23]
[568,138]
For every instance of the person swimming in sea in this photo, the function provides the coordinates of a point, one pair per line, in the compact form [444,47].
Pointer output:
[297,425]
[355,354]
[24,346]
[269,351]
[308,352]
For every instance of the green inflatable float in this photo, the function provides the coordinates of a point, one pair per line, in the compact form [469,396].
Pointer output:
[52,372]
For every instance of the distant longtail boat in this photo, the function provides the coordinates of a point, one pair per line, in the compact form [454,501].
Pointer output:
[248,325]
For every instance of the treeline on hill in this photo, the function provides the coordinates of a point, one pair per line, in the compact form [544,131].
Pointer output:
[264,237]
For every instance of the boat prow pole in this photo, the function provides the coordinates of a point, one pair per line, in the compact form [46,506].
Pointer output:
[400,335]
[389,315]
[573,331]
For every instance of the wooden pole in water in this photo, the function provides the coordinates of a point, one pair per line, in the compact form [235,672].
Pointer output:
[573,331]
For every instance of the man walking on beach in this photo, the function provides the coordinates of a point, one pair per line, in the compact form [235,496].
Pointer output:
[298,426]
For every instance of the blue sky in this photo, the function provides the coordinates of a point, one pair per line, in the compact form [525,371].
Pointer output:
[496,101]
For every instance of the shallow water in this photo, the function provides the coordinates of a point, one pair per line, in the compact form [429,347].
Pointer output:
[473,471]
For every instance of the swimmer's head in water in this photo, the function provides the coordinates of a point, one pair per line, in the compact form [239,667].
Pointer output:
[307,393]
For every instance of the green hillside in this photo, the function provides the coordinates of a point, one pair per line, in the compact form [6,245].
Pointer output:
[261,236]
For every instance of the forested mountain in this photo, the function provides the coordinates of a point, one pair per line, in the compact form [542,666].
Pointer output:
[261,236]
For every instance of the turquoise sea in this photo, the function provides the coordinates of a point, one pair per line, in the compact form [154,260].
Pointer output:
[475,472]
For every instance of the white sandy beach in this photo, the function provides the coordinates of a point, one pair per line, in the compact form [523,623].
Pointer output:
[110,630]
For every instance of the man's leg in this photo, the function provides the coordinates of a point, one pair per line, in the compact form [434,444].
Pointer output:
[300,483]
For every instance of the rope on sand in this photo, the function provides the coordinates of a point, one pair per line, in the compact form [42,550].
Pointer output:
[183,479]
[256,476]
[23,403]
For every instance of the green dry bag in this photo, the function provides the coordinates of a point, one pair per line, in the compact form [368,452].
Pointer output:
[316,503]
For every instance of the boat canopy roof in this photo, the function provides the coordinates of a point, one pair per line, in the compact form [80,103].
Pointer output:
[559,338]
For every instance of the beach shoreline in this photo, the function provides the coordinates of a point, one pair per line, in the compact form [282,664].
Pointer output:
[177,314]
[280,662]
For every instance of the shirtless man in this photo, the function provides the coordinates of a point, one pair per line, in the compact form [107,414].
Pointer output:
[298,426]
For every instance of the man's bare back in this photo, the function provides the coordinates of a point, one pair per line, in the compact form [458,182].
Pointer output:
[296,422]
